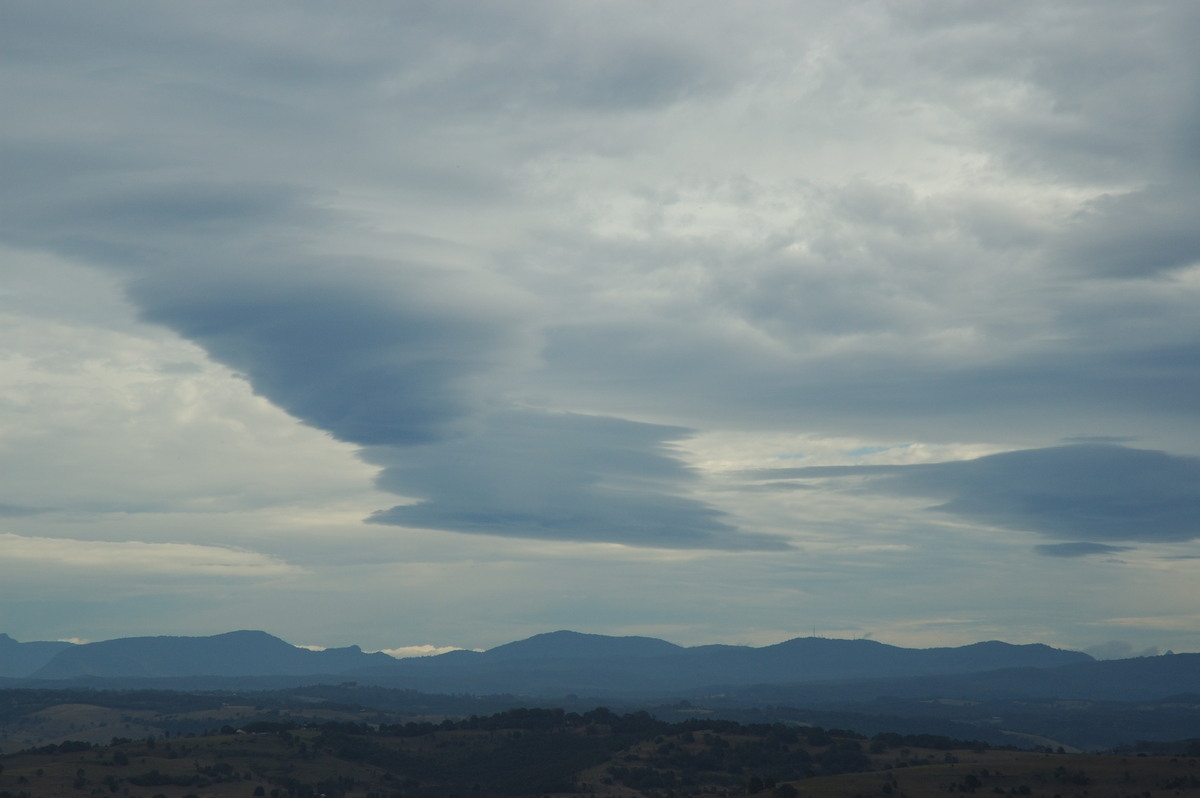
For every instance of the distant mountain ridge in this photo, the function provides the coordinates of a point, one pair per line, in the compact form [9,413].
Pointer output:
[564,644]
[242,653]
[854,684]
[558,663]
[546,665]
[22,659]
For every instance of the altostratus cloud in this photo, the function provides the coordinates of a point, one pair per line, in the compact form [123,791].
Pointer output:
[1092,494]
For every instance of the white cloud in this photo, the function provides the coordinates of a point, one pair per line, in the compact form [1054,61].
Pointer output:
[1119,649]
[154,561]
[424,650]
[105,414]
[1182,622]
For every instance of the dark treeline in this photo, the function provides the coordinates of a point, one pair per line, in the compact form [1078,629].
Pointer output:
[541,750]
[635,724]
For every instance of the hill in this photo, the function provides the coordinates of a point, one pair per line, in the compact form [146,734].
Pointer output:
[21,659]
[565,662]
[235,654]
[1030,695]
[548,665]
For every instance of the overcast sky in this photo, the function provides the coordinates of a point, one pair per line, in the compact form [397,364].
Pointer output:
[445,324]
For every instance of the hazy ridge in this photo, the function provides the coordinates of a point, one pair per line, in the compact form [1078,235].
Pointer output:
[990,690]
[556,664]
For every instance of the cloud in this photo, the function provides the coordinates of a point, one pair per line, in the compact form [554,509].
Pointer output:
[1079,549]
[514,258]
[403,652]
[395,359]
[20,511]
[381,359]
[558,476]
[153,560]
[872,333]
[106,417]
[1119,649]
[1181,621]
[1139,234]
[1085,492]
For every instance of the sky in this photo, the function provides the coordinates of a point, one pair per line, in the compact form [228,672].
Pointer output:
[423,325]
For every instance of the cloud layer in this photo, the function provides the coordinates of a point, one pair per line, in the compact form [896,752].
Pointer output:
[533,289]
[559,477]
[1083,492]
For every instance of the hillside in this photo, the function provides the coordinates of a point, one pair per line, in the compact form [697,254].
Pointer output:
[993,691]
[21,659]
[564,662]
[547,665]
[244,653]
[540,752]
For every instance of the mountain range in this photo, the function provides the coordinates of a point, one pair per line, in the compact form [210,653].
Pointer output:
[812,670]
[244,653]
[560,663]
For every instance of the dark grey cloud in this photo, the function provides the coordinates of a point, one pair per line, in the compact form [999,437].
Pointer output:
[370,360]
[1084,493]
[1136,387]
[1079,549]
[1140,234]
[557,476]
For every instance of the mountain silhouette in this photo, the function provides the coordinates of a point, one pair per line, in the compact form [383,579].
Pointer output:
[21,659]
[563,662]
[243,653]
[565,644]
